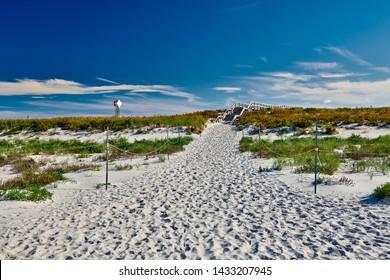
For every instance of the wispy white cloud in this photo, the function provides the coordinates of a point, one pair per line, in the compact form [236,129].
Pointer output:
[285,75]
[348,55]
[363,87]
[106,80]
[264,59]
[316,65]
[339,75]
[78,107]
[59,86]
[130,106]
[318,89]
[381,69]
[38,97]
[227,89]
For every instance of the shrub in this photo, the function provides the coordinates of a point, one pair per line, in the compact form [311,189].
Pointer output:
[382,191]
[329,130]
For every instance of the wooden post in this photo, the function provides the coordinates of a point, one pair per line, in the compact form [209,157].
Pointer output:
[316,158]
[168,143]
[107,159]
[261,152]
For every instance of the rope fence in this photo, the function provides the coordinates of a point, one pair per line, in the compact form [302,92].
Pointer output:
[166,143]
[372,155]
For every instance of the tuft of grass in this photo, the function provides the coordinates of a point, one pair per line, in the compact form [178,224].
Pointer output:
[122,167]
[29,186]
[101,185]
[161,158]
[382,191]
[28,178]
[21,165]
[68,168]
[28,193]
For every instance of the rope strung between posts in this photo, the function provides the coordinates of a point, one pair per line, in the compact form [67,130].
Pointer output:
[169,141]
[277,154]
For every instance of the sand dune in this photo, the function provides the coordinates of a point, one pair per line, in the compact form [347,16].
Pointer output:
[208,202]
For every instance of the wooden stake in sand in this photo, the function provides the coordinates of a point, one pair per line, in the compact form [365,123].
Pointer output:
[261,153]
[168,143]
[316,158]
[107,159]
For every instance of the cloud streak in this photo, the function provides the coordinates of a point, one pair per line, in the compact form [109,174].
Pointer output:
[107,81]
[227,89]
[134,106]
[348,55]
[59,86]
[316,65]
[264,58]
[318,89]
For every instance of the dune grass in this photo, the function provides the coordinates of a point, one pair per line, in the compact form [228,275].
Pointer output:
[13,149]
[194,121]
[28,193]
[29,186]
[298,152]
[382,192]
[153,147]
[305,117]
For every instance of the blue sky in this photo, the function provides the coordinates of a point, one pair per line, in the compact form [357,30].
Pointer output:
[61,58]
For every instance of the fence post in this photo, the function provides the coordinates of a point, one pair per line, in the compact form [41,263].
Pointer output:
[261,152]
[168,143]
[316,158]
[107,159]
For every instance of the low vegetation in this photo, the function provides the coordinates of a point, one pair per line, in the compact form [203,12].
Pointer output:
[122,167]
[29,186]
[382,191]
[305,117]
[194,121]
[28,193]
[150,147]
[363,154]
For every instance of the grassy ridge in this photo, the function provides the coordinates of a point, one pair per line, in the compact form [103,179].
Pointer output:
[159,146]
[15,148]
[305,117]
[52,146]
[195,121]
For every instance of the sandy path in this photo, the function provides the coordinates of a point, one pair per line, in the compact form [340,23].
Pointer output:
[206,203]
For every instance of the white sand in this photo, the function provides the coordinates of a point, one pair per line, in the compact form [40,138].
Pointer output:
[208,202]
